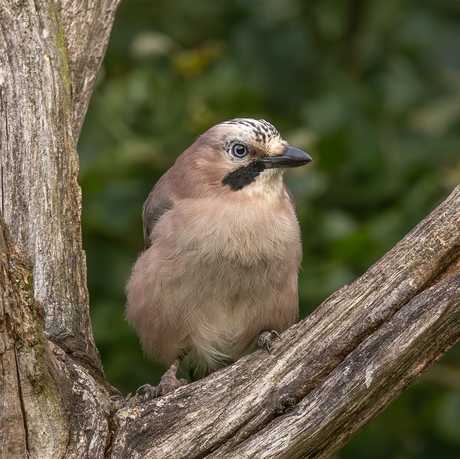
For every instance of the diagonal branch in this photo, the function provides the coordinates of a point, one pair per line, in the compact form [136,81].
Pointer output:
[367,380]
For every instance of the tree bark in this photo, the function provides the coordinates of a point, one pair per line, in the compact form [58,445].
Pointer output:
[50,53]
[328,376]
[52,382]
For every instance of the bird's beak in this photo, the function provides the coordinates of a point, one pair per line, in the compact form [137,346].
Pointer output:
[290,158]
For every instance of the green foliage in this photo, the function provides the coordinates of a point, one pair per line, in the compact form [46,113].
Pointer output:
[370,89]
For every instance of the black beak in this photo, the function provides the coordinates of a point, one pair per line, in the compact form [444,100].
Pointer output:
[290,158]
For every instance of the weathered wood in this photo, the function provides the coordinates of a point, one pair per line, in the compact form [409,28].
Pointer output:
[51,406]
[86,28]
[41,199]
[367,380]
[232,405]
[12,432]
[328,376]
[50,56]
[38,428]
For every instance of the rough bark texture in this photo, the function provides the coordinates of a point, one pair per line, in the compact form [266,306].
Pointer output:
[58,408]
[50,56]
[328,377]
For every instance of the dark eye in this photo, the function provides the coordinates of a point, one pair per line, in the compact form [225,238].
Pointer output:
[240,151]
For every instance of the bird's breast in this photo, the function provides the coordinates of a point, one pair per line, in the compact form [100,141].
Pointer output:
[224,271]
[245,233]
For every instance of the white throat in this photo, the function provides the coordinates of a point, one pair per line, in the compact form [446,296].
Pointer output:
[268,185]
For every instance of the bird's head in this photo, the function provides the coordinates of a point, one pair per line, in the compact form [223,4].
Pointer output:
[245,155]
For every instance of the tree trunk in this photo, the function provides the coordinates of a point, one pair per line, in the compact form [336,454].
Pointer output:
[328,376]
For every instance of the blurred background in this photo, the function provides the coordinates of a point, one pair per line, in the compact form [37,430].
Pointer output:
[371,89]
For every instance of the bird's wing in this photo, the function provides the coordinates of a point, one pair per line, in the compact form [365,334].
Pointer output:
[158,202]
[291,198]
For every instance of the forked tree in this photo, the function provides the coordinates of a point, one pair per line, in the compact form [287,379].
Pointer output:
[327,378]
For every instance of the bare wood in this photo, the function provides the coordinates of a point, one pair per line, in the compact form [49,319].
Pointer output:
[52,407]
[328,376]
[24,362]
[86,28]
[48,68]
[13,439]
[367,380]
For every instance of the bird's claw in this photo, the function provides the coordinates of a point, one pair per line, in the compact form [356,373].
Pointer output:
[168,383]
[274,332]
[149,391]
[266,339]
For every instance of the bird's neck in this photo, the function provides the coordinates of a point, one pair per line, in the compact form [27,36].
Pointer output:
[268,185]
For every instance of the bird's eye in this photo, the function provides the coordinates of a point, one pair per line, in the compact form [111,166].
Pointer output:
[240,151]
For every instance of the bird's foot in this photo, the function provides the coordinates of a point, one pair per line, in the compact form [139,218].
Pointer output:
[168,383]
[149,391]
[266,338]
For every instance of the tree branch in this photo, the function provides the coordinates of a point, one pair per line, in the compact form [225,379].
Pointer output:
[365,382]
[52,407]
[87,25]
[49,66]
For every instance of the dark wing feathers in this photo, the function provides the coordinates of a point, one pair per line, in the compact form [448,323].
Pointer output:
[158,202]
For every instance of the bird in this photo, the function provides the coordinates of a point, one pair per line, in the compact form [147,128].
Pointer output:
[219,272]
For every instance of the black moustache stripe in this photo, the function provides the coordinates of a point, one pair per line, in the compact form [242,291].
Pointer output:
[243,176]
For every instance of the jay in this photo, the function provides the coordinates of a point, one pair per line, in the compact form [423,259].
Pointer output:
[219,272]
